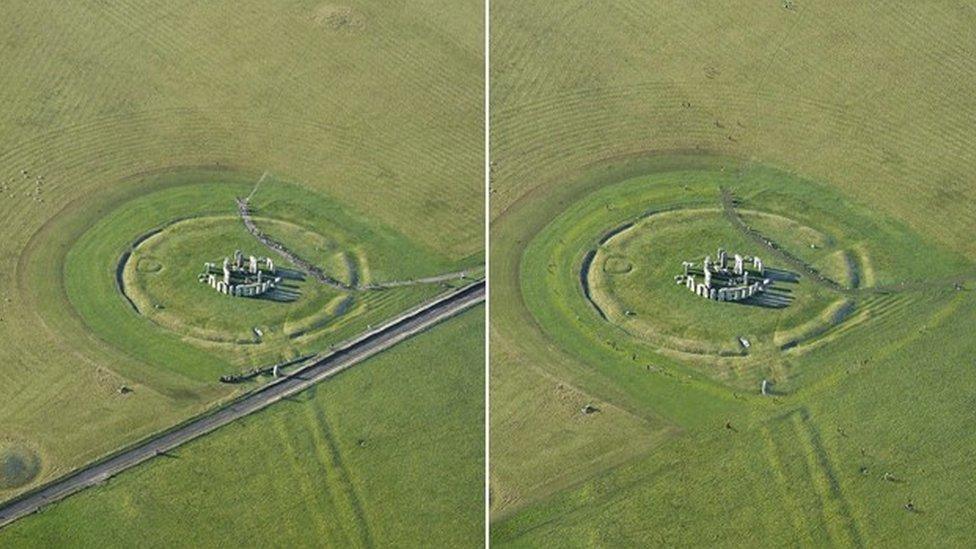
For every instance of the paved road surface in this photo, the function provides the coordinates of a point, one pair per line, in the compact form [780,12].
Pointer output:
[348,355]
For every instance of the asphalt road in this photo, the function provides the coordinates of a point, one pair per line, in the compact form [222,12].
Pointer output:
[353,352]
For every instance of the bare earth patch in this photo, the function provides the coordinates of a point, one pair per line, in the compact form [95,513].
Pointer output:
[339,18]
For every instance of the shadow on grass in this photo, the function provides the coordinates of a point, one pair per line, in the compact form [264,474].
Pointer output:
[283,293]
[779,275]
[778,295]
[290,274]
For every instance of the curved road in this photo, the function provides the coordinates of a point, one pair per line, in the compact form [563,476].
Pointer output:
[347,355]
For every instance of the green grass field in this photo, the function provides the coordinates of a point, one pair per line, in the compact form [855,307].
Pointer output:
[363,123]
[390,453]
[837,127]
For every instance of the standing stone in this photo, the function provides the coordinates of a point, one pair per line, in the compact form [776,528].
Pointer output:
[722,258]
[708,278]
[757,264]
[738,265]
[690,282]
[713,294]
[270,265]
[238,259]
[687,265]
[253,264]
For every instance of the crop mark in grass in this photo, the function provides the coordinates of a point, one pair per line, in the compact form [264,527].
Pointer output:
[309,495]
[803,470]
[781,478]
[341,474]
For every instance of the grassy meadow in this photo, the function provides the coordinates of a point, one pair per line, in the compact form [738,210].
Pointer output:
[363,121]
[835,126]
[390,453]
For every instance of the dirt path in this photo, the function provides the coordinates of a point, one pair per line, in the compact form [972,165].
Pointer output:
[318,274]
[935,284]
[728,207]
[346,356]
[306,266]
[459,275]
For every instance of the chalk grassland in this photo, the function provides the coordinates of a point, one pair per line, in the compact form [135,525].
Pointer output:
[376,107]
[653,223]
[388,453]
[871,99]
[866,102]
[559,474]
[177,313]
[797,474]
